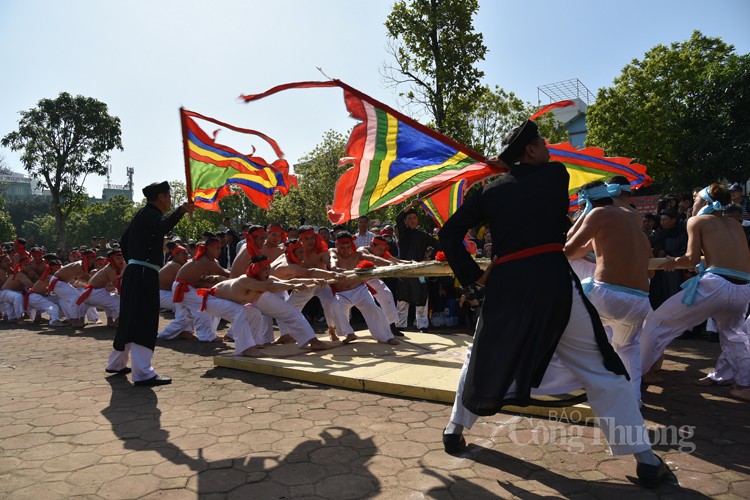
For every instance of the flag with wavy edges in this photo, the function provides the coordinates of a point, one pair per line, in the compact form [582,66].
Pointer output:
[392,156]
[212,168]
[589,164]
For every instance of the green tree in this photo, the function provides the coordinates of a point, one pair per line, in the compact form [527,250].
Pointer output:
[317,174]
[498,112]
[7,229]
[108,219]
[42,229]
[682,110]
[192,226]
[63,140]
[23,210]
[436,49]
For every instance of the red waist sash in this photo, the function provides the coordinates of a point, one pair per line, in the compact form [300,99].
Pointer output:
[205,292]
[179,291]
[85,295]
[529,252]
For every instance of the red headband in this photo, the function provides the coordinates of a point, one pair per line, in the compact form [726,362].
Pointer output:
[254,269]
[320,244]
[177,250]
[252,248]
[109,259]
[290,248]
[278,229]
[351,241]
[200,251]
[49,270]
[382,243]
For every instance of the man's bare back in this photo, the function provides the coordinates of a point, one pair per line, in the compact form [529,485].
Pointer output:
[621,248]
[722,241]
[167,274]
[201,273]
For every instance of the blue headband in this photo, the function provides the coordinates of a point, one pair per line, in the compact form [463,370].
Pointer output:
[617,189]
[712,206]
[592,194]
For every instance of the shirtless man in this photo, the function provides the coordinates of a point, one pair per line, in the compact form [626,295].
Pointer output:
[63,285]
[260,293]
[273,247]
[255,238]
[38,263]
[181,327]
[14,289]
[38,297]
[4,273]
[101,291]
[201,272]
[383,295]
[352,292]
[722,291]
[315,256]
[619,288]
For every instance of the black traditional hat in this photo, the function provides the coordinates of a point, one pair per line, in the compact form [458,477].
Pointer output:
[516,141]
[153,189]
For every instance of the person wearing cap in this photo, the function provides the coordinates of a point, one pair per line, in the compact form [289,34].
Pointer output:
[141,246]
[736,191]
[618,287]
[534,308]
[721,290]
[183,328]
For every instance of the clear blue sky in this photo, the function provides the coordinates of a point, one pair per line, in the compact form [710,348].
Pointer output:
[146,58]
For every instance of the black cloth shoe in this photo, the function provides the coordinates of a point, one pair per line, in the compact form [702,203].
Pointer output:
[155,380]
[124,371]
[396,331]
[651,475]
[423,330]
[453,443]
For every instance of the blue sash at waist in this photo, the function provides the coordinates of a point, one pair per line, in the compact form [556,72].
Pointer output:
[691,285]
[588,283]
[146,264]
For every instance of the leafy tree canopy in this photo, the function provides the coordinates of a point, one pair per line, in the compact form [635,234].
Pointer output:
[63,140]
[682,110]
[436,49]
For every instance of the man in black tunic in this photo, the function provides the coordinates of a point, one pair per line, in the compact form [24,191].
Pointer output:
[534,308]
[413,244]
[141,246]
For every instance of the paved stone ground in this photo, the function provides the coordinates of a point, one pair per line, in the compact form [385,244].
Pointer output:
[67,430]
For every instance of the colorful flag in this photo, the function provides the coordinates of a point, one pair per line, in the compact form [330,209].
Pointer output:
[393,157]
[442,204]
[550,107]
[589,164]
[212,168]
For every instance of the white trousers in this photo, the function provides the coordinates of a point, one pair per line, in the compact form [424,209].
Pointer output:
[384,297]
[186,311]
[68,296]
[165,300]
[40,303]
[421,316]
[578,359]
[101,297]
[299,298]
[361,298]
[13,304]
[717,298]
[141,361]
[622,314]
[290,319]
[245,321]
[583,268]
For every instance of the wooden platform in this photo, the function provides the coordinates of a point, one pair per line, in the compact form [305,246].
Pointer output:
[423,366]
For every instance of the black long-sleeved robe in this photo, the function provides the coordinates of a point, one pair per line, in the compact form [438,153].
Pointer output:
[139,289]
[527,301]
